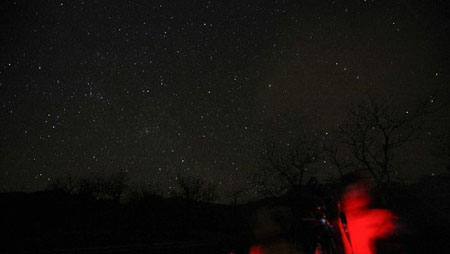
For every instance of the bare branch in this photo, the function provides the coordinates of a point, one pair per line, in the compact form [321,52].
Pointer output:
[374,131]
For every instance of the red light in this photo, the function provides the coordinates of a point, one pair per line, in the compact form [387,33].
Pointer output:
[364,225]
[318,250]
[256,249]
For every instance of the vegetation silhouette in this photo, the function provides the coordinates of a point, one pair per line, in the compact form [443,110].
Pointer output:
[109,211]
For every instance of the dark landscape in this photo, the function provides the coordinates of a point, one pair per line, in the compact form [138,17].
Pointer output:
[228,127]
[55,221]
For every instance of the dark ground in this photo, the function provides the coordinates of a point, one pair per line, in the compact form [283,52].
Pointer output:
[56,222]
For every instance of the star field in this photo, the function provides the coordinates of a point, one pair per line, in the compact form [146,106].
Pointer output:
[158,87]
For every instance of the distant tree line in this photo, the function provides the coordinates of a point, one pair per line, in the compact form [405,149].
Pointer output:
[111,187]
[115,187]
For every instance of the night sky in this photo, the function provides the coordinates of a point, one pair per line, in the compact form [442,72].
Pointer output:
[158,87]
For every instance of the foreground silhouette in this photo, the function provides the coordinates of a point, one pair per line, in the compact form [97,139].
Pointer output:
[362,226]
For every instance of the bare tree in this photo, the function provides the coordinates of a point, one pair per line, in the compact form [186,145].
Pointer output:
[83,187]
[237,193]
[112,187]
[286,163]
[196,189]
[63,184]
[87,187]
[337,156]
[375,131]
[142,191]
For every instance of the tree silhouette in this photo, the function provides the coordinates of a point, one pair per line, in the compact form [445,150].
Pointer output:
[66,185]
[337,155]
[237,193]
[83,187]
[282,166]
[87,187]
[196,189]
[111,187]
[374,132]
[142,191]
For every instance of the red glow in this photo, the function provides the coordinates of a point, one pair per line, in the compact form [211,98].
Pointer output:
[317,250]
[256,249]
[364,225]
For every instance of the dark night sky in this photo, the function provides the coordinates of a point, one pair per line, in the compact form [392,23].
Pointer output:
[153,87]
